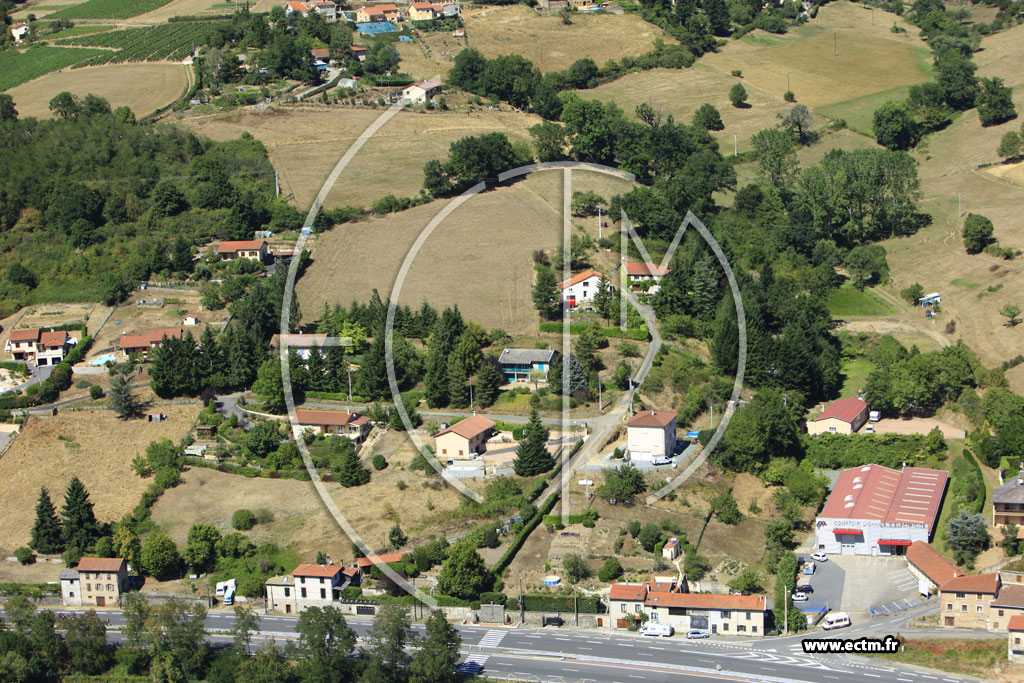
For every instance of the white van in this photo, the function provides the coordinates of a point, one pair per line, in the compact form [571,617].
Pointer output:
[656,628]
[836,620]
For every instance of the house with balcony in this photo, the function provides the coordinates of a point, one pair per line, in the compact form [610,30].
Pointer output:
[526,365]
[1008,501]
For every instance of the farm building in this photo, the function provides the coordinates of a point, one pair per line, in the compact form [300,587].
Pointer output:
[523,365]
[874,510]
[651,435]
[581,288]
[352,425]
[931,568]
[251,249]
[463,440]
[190,321]
[844,416]
[669,603]
[98,581]
[140,343]
[422,92]
[640,272]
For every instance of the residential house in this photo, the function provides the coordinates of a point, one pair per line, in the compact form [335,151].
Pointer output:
[97,581]
[328,10]
[930,567]
[422,92]
[19,32]
[463,440]
[309,585]
[1016,638]
[670,550]
[651,435]
[965,600]
[1006,605]
[358,52]
[302,343]
[581,288]
[321,55]
[251,249]
[640,272]
[364,564]
[22,343]
[626,604]
[190,321]
[44,348]
[449,10]
[524,365]
[141,343]
[342,422]
[669,603]
[300,7]
[844,416]
[422,11]
[1007,501]
[377,13]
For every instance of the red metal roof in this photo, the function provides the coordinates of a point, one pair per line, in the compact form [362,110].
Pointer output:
[652,418]
[326,571]
[931,563]
[634,592]
[100,564]
[643,269]
[845,409]
[875,492]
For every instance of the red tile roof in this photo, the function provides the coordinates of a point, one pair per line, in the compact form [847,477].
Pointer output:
[25,335]
[976,583]
[931,563]
[52,339]
[366,562]
[298,6]
[322,53]
[422,5]
[1016,623]
[326,571]
[230,247]
[133,341]
[100,564]
[338,418]
[845,409]
[635,592]
[652,418]
[468,428]
[1010,596]
[875,492]
[642,269]
[576,279]
[753,603]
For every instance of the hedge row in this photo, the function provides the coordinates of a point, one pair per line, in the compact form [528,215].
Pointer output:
[520,539]
[584,604]
[573,519]
[245,471]
[14,366]
[638,334]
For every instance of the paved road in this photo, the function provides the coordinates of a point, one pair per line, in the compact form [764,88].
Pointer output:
[571,655]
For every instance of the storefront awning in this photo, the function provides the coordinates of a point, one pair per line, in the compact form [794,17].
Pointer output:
[893,541]
[856,532]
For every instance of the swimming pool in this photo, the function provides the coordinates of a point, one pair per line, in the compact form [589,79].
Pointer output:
[103,360]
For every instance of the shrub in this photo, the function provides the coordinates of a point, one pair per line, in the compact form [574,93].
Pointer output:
[610,570]
[379,462]
[95,392]
[243,520]
[24,555]
[789,96]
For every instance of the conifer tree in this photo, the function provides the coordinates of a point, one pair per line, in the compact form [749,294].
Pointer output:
[80,525]
[316,368]
[458,390]
[122,400]
[488,382]
[532,455]
[350,470]
[46,533]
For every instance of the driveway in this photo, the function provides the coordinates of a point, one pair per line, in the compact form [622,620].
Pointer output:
[873,583]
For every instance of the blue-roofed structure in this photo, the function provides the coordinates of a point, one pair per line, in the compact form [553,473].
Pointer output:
[372,28]
[405,39]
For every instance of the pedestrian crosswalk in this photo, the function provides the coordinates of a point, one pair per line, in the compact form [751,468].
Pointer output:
[492,638]
[472,665]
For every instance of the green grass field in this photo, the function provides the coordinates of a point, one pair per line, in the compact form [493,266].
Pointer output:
[849,302]
[82,30]
[855,375]
[108,9]
[19,67]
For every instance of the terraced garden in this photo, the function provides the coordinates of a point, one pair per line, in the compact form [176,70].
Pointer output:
[171,42]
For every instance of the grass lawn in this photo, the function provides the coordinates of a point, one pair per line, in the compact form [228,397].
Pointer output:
[975,657]
[847,302]
[855,374]
[859,113]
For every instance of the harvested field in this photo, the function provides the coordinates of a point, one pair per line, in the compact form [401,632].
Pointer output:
[191,8]
[94,445]
[306,142]
[143,87]
[430,55]
[300,520]
[550,44]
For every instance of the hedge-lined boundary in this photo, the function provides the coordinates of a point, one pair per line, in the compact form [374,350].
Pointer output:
[520,539]
[637,334]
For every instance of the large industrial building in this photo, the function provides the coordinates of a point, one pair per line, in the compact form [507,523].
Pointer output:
[875,510]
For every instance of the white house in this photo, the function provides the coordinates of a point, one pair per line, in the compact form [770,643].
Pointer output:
[328,10]
[18,32]
[639,272]
[651,435]
[581,288]
[422,92]
[300,7]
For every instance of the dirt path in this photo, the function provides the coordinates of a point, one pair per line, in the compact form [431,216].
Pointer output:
[900,324]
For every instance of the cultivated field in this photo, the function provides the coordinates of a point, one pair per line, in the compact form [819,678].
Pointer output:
[551,45]
[306,142]
[94,445]
[108,9]
[142,86]
[300,520]
[194,7]
[18,67]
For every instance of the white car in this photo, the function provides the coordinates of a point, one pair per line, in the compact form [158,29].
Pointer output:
[819,557]
[800,597]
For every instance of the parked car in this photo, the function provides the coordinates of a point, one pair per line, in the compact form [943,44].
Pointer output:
[656,628]
[695,633]
[819,557]
[552,620]
[800,597]
[805,588]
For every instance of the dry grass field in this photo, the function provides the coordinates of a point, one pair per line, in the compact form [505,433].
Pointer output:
[94,445]
[306,142]
[193,7]
[300,520]
[430,55]
[144,87]
[551,45]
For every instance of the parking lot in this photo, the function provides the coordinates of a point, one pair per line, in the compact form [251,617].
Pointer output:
[859,583]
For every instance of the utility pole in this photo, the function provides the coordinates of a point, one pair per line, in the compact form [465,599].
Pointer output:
[735,145]
[835,44]
[350,382]
[712,414]
[600,223]
[470,394]
[522,605]
[600,403]
[575,606]
[785,606]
